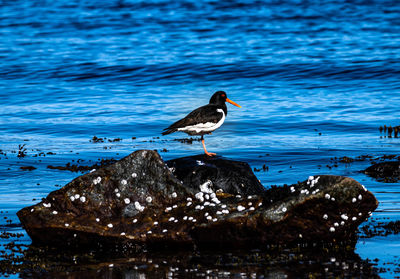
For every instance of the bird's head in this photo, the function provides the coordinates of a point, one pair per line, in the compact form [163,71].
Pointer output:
[219,98]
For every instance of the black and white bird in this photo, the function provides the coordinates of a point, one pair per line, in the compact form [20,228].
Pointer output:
[203,120]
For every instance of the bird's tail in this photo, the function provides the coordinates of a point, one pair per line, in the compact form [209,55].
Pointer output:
[168,131]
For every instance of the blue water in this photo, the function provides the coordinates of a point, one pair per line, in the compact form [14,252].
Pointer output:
[315,81]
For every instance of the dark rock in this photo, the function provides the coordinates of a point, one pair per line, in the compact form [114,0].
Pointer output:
[138,202]
[232,177]
[385,171]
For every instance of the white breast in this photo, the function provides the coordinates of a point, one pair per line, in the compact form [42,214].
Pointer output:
[207,127]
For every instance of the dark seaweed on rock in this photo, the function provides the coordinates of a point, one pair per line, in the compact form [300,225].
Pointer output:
[388,172]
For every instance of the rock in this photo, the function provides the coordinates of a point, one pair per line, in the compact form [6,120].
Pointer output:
[232,177]
[138,203]
[385,171]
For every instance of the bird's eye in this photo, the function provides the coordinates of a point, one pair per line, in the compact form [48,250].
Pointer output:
[223,95]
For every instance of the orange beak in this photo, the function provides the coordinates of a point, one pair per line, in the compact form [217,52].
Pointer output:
[232,102]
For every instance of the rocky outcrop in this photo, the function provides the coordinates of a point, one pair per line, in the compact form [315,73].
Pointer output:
[385,171]
[140,201]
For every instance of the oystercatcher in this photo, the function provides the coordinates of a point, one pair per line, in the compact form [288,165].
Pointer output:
[203,120]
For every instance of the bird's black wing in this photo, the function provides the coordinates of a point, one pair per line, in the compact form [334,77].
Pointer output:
[204,114]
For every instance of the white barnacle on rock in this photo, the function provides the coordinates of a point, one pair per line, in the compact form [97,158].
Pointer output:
[219,191]
[216,200]
[124,182]
[72,198]
[189,203]
[174,206]
[209,217]
[302,191]
[314,181]
[149,232]
[118,195]
[249,203]
[77,196]
[96,181]
[66,224]
[168,209]
[110,225]
[206,214]
[331,229]
[360,214]
[238,196]
[360,197]
[206,203]
[260,204]
[354,218]
[32,209]
[342,223]
[122,233]
[207,196]
[252,208]
[149,199]
[138,206]
[190,218]
[97,220]
[189,199]
[327,196]
[353,200]
[215,220]
[198,207]
[194,220]
[55,212]
[93,170]
[199,196]
[284,209]
[199,163]
[171,219]
[116,190]
[134,221]
[213,196]
[127,200]
[292,189]
[336,224]
[83,199]
[218,212]
[174,195]
[365,189]
[332,199]
[344,217]
[176,221]
[225,211]
[240,208]
[134,175]
[205,187]
[223,206]
[47,204]
[164,230]
[325,216]
[184,218]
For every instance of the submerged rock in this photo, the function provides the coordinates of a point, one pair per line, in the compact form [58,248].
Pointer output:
[385,171]
[139,202]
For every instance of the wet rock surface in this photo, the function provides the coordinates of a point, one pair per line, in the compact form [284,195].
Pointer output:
[230,176]
[385,171]
[141,202]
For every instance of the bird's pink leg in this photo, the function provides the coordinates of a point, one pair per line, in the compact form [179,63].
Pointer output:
[205,150]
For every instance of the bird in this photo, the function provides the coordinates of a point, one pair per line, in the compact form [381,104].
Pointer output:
[203,120]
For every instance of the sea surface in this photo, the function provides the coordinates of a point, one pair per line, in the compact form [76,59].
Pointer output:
[315,79]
